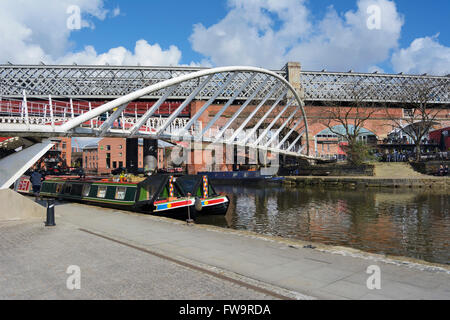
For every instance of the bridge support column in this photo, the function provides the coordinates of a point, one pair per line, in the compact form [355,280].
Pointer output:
[132,155]
[293,75]
[150,154]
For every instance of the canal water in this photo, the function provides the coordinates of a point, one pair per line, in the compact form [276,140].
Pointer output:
[407,223]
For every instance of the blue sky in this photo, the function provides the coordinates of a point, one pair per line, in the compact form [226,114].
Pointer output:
[321,34]
[171,22]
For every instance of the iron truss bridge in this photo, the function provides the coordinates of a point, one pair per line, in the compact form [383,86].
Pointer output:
[259,110]
[110,82]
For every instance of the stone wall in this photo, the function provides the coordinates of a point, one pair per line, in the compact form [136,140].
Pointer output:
[335,170]
[430,167]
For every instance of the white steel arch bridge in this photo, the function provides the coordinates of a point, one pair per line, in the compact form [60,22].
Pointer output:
[257,109]
[268,96]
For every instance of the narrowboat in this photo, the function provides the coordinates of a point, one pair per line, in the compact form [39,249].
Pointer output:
[160,194]
[200,187]
[249,177]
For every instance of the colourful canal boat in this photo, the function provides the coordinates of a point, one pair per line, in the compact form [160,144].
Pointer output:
[164,195]
[200,187]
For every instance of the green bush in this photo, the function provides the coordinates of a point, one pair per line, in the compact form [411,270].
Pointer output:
[358,153]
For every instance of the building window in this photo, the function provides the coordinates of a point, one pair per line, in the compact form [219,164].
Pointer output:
[114,164]
[120,164]
[408,113]
[108,148]
[64,145]
[120,147]
[120,154]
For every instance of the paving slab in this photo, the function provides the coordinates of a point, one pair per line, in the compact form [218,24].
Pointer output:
[111,252]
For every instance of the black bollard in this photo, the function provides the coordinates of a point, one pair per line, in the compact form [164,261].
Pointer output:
[189,220]
[50,213]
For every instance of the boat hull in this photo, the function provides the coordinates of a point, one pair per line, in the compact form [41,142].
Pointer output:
[161,196]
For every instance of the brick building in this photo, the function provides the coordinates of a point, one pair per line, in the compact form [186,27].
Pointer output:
[108,154]
[64,147]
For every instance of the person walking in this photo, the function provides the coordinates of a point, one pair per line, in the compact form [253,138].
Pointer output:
[36,182]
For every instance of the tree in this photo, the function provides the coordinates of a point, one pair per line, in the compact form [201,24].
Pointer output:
[351,118]
[420,116]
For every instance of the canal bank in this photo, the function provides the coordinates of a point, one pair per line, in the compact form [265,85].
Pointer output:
[370,182]
[383,175]
[287,268]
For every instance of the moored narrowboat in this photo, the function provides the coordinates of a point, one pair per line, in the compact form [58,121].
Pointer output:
[200,187]
[160,194]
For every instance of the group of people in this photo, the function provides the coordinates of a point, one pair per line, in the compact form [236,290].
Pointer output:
[442,171]
[404,141]
[397,156]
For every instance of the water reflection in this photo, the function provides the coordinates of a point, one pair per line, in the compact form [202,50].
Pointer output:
[405,223]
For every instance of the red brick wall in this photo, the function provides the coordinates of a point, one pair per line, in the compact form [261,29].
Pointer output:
[65,146]
[379,123]
[96,158]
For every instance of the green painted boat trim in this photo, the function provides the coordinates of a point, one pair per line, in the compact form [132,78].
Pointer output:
[96,183]
[113,184]
[125,203]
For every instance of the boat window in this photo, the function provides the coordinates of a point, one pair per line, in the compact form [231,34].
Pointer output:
[120,193]
[59,187]
[86,190]
[101,191]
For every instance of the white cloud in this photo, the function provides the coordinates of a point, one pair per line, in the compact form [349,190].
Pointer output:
[424,55]
[249,34]
[33,31]
[116,12]
[271,32]
[144,54]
